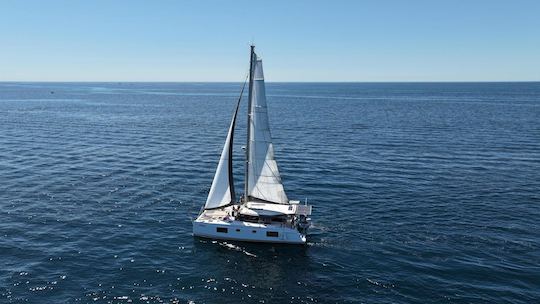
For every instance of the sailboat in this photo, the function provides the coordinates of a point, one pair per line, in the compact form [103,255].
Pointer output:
[263,213]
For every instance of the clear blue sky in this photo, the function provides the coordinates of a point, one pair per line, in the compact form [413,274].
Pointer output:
[299,40]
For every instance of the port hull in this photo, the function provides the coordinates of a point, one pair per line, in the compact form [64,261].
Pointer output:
[247,232]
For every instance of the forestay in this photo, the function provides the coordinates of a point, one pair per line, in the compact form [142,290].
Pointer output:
[264,180]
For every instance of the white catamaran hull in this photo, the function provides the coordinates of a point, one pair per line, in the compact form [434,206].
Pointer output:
[247,232]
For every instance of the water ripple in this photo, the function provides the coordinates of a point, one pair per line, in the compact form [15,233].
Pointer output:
[422,193]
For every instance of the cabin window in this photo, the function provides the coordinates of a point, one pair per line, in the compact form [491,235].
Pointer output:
[272,234]
[222,230]
[237,230]
[254,231]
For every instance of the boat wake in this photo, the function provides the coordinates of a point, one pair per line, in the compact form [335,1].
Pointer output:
[236,248]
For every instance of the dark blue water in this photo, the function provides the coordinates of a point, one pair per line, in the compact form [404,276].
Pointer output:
[423,193]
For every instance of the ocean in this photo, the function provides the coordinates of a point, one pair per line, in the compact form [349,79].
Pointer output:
[422,193]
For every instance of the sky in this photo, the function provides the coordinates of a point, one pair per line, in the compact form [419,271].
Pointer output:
[339,40]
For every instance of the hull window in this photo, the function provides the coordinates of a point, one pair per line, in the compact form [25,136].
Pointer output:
[272,234]
[222,230]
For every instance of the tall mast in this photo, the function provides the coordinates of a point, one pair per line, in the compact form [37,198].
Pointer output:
[250,95]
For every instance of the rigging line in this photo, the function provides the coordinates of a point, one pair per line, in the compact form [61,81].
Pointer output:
[243,87]
[278,178]
[231,177]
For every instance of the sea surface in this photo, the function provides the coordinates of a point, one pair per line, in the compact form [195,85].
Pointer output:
[422,193]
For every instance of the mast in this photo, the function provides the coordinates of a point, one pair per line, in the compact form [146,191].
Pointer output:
[250,95]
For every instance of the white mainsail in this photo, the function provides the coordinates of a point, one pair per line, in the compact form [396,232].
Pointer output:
[264,180]
[222,189]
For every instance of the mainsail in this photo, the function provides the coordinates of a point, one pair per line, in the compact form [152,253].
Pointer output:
[222,189]
[263,178]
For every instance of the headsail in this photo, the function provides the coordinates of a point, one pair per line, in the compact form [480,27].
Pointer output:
[263,180]
[222,189]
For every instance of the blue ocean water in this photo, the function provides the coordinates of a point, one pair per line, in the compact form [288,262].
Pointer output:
[423,193]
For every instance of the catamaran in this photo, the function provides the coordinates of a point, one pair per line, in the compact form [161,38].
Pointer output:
[263,213]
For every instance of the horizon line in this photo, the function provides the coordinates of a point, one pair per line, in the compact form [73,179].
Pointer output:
[213,81]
